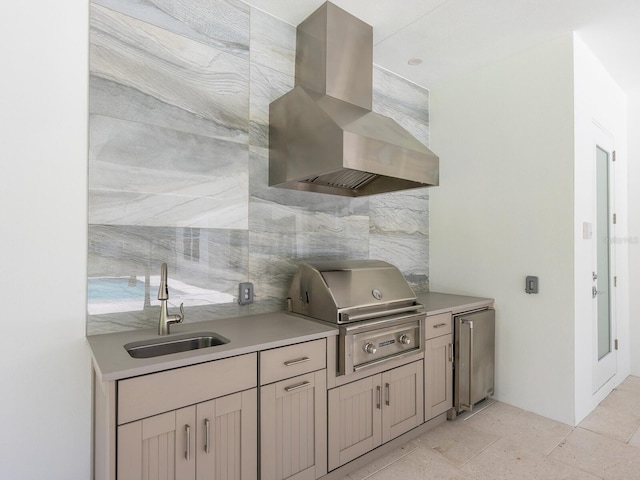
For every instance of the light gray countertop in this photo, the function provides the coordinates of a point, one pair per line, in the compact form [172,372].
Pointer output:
[246,334]
[436,303]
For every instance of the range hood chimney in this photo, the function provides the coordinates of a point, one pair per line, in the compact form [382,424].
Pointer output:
[323,136]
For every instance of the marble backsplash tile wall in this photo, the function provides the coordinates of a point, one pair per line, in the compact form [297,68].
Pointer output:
[178,167]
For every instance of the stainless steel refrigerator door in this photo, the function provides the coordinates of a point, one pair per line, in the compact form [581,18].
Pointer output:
[475,355]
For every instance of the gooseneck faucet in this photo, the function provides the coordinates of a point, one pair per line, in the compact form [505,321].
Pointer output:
[163,295]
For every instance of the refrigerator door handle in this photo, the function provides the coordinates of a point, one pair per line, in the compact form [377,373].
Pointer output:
[469,405]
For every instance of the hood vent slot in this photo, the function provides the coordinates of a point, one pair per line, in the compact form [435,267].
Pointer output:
[323,135]
[351,179]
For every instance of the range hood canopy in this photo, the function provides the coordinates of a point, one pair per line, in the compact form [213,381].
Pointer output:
[323,136]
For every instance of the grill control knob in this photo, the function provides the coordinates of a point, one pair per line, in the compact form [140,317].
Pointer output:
[405,339]
[369,348]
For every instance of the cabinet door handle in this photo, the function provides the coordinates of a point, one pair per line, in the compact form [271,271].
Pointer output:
[187,443]
[379,400]
[469,405]
[207,435]
[290,363]
[439,325]
[388,389]
[296,386]
[451,352]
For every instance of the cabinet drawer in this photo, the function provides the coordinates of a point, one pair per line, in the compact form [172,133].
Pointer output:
[141,397]
[438,325]
[292,360]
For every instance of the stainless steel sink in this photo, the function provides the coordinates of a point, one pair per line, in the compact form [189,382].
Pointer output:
[174,344]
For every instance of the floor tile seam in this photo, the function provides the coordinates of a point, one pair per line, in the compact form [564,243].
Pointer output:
[389,464]
[579,466]
[469,415]
[633,435]
[609,438]
[617,409]
[518,439]
[442,457]
[548,455]
[479,453]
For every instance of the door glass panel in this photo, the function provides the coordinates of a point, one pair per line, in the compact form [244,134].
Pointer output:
[602,227]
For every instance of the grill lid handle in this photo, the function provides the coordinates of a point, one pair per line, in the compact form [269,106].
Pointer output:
[380,313]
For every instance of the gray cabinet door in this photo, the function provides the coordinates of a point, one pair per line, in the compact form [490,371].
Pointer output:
[403,394]
[227,431]
[213,440]
[158,447]
[438,376]
[293,436]
[369,412]
[355,420]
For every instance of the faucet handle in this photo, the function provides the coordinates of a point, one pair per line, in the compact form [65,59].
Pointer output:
[163,291]
[181,313]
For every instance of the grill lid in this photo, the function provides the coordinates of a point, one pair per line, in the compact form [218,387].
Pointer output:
[350,290]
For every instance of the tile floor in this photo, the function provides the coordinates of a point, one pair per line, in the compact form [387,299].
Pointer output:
[503,442]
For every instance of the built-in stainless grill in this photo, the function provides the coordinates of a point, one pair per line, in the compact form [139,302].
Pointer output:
[377,312]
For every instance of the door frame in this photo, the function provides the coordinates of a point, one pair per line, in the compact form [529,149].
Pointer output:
[606,368]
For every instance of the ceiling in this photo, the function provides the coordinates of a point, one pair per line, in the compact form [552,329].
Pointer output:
[453,37]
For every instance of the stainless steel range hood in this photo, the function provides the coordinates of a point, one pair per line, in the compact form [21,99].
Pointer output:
[323,136]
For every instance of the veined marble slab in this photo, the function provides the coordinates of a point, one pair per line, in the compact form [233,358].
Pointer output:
[267,85]
[405,212]
[176,70]
[112,99]
[273,43]
[404,101]
[410,253]
[223,24]
[146,175]
[204,267]
[281,236]
[113,208]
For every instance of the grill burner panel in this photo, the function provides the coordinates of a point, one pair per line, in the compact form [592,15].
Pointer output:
[367,344]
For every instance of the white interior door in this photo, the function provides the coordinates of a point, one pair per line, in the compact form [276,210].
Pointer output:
[603,293]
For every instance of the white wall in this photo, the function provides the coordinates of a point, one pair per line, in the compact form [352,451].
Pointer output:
[504,210]
[633,127]
[598,99]
[45,404]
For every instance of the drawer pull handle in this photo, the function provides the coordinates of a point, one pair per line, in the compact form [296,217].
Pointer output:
[297,386]
[207,436]
[440,325]
[290,363]
[187,446]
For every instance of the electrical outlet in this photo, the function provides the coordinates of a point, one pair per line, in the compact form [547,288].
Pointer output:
[245,295]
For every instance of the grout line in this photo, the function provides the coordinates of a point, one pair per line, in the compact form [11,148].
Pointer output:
[633,435]
[480,452]
[475,412]
[570,465]
[561,442]
[389,464]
